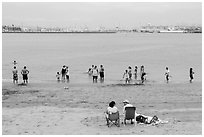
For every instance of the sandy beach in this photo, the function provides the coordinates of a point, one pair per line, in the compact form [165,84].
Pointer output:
[47,108]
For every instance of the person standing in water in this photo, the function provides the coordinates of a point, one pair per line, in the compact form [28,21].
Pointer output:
[135,72]
[95,74]
[191,75]
[67,73]
[167,74]
[14,63]
[141,71]
[130,72]
[101,73]
[25,73]
[15,75]
[142,74]
[92,67]
[63,73]
[126,77]
[58,77]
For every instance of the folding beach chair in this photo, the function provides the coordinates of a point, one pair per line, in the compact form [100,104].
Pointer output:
[129,114]
[113,118]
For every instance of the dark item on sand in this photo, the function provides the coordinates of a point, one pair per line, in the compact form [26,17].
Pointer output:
[141,119]
[113,118]
[129,114]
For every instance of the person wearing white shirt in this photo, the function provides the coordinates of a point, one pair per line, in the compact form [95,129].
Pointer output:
[111,109]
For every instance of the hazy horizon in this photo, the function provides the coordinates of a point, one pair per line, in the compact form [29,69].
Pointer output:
[96,14]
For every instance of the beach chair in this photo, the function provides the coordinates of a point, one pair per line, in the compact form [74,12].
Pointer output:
[129,114]
[113,118]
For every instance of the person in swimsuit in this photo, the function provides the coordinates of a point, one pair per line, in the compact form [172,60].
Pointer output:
[58,77]
[25,73]
[63,73]
[167,74]
[126,77]
[142,74]
[101,73]
[135,72]
[95,74]
[14,63]
[67,74]
[191,75]
[15,75]
[130,72]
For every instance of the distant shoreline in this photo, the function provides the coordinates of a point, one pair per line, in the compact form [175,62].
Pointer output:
[98,32]
[65,32]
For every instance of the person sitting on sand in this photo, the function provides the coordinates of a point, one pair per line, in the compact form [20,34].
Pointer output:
[25,72]
[126,77]
[15,75]
[111,109]
[58,76]
[126,103]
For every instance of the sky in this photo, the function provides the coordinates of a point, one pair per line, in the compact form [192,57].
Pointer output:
[101,14]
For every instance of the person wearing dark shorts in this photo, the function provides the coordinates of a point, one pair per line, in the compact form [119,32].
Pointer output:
[142,77]
[15,75]
[63,72]
[67,73]
[24,73]
[101,73]
[95,74]
[167,74]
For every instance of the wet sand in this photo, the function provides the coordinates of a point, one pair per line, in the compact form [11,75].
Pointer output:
[59,108]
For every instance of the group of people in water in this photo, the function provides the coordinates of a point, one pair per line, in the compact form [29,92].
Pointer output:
[95,72]
[167,75]
[139,118]
[128,74]
[24,73]
[63,74]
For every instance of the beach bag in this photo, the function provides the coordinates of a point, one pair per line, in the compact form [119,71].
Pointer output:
[141,119]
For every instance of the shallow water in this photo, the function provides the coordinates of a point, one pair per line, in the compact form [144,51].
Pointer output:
[45,54]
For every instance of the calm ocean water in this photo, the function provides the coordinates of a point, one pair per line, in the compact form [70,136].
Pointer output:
[45,54]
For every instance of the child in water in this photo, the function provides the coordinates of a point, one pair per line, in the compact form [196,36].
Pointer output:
[58,76]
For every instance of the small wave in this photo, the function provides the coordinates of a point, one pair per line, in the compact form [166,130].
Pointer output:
[120,84]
